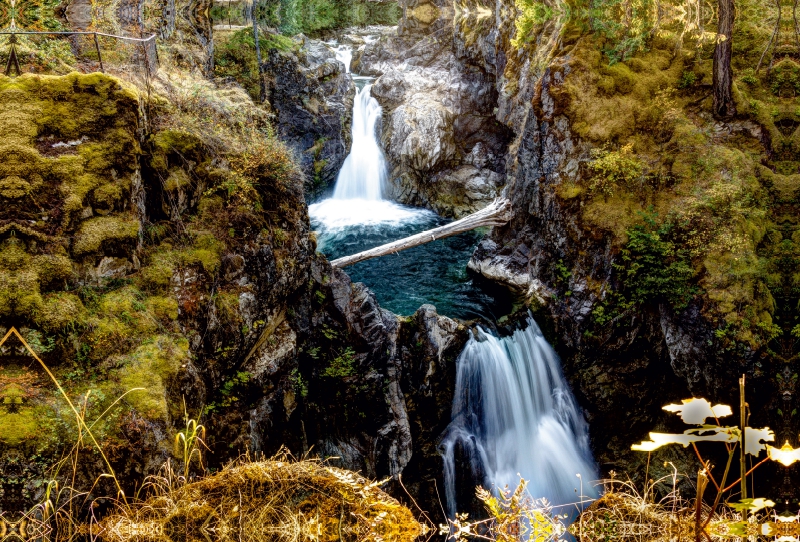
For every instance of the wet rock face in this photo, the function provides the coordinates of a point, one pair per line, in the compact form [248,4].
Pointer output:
[312,97]
[363,385]
[445,147]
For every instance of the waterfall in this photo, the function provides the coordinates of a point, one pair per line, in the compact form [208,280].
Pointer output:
[513,412]
[344,54]
[358,194]
[364,170]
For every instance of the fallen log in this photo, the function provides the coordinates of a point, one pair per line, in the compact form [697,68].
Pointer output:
[496,213]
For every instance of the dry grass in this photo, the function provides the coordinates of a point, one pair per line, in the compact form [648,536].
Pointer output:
[279,499]
[625,514]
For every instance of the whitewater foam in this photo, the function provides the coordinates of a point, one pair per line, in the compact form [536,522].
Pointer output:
[514,415]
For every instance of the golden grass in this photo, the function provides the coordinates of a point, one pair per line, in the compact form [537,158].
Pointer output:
[279,499]
[623,513]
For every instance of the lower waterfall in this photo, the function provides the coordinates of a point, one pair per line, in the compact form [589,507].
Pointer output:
[514,415]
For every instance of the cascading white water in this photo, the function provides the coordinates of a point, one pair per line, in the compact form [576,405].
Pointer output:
[344,54]
[358,193]
[514,415]
[364,170]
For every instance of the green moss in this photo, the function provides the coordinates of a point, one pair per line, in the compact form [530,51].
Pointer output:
[19,426]
[117,319]
[176,141]
[177,179]
[158,272]
[20,281]
[235,56]
[77,104]
[203,250]
[210,206]
[172,142]
[206,250]
[613,214]
[152,366]
[53,269]
[163,308]
[61,311]
[277,41]
[624,79]
[75,194]
[706,187]
[97,232]
[569,191]
[606,102]
[109,195]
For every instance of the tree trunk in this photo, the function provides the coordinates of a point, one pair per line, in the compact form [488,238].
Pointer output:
[495,214]
[724,107]
[262,91]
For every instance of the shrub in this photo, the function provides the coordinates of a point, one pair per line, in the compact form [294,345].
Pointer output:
[688,79]
[236,57]
[342,366]
[655,268]
[611,168]
[532,14]
[749,77]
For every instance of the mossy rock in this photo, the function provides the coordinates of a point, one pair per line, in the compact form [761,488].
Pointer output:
[152,367]
[102,232]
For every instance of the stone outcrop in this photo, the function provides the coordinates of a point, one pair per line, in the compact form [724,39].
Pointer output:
[192,280]
[624,370]
[364,385]
[312,97]
[445,146]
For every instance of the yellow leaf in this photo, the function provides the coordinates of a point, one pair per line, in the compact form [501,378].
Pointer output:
[695,411]
[785,455]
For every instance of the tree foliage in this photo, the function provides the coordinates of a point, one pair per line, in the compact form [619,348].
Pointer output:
[656,268]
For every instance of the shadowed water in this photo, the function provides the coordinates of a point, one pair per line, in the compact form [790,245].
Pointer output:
[433,273]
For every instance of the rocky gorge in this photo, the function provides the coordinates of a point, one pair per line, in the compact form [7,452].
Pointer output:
[655,244]
[471,112]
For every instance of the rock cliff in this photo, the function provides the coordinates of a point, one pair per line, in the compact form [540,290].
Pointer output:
[174,271]
[312,97]
[654,286]
[608,244]
[441,137]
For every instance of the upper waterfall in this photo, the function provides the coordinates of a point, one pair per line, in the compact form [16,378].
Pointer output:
[358,194]
[514,415]
[363,173]
[344,54]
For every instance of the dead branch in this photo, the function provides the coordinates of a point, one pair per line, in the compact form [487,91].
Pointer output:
[496,213]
